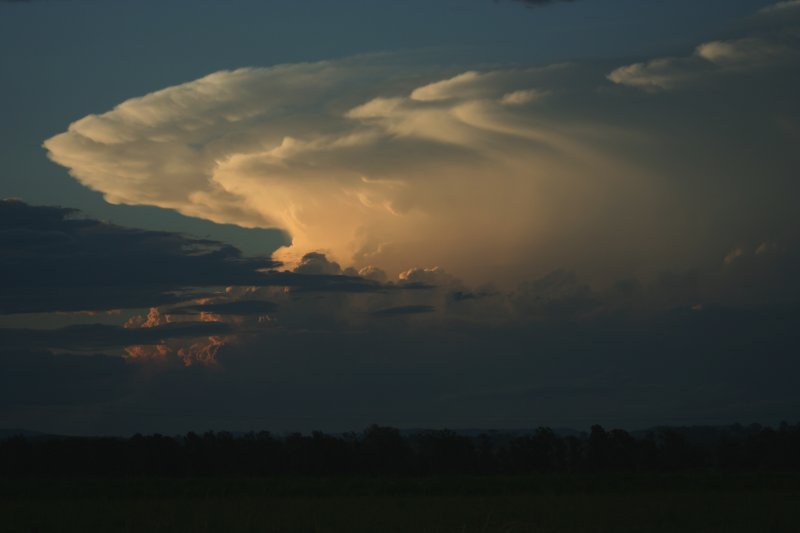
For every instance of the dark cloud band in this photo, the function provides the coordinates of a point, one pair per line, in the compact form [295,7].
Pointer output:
[55,260]
[99,336]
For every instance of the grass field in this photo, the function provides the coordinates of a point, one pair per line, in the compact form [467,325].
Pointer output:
[688,503]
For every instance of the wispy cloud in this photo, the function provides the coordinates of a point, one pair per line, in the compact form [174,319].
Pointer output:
[761,50]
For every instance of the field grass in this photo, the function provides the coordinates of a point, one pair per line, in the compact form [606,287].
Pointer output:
[542,504]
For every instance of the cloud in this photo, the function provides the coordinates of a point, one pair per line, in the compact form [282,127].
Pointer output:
[55,260]
[777,45]
[88,252]
[430,276]
[297,147]
[492,174]
[403,310]
[589,239]
[520,97]
[707,345]
[240,307]
[746,52]
[251,161]
[656,74]
[709,58]
[99,336]
[315,263]
[712,366]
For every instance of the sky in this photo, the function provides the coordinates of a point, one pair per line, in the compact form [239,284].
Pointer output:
[314,215]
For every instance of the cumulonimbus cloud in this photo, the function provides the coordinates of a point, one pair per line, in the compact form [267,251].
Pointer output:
[384,179]
[523,169]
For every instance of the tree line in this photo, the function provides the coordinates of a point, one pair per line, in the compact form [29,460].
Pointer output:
[386,451]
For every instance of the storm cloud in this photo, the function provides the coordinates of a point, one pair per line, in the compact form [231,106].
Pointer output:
[376,164]
[98,336]
[55,259]
[613,242]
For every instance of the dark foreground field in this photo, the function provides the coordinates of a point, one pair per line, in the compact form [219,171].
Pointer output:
[614,503]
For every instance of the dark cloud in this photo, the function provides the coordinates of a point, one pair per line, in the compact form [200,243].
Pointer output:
[241,307]
[716,366]
[55,260]
[403,310]
[316,263]
[322,282]
[53,247]
[558,293]
[73,299]
[100,336]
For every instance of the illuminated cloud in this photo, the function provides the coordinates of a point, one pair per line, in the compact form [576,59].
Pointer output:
[520,97]
[491,174]
[708,58]
[377,182]
[189,350]
[748,52]
[426,176]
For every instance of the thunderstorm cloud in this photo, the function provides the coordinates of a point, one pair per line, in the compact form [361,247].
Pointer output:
[493,174]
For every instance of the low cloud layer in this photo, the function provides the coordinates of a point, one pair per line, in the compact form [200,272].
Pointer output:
[55,259]
[310,348]
[683,367]
[98,337]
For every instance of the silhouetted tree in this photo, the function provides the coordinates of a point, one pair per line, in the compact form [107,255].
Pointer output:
[385,451]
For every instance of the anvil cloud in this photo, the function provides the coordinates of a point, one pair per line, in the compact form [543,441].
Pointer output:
[491,174]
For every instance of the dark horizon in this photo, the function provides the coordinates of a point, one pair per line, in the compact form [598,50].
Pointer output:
[386,451]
